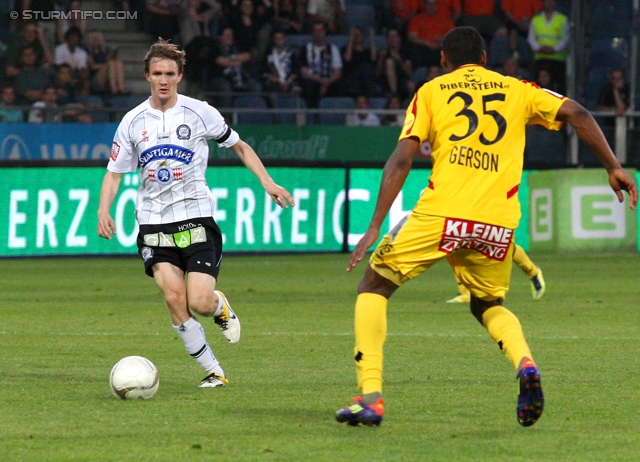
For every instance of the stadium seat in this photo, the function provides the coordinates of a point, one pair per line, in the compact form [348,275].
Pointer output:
[339,40]
[287,102]
[361,15]
[99,115]
[297,41]
[91,101]
[499,52]
[127,102]
[611,18]
[335,102]
[596,79]
[545,148]
[377,102]
[609,53]
[257,102]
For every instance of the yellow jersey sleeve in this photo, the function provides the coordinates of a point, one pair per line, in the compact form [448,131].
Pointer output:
[475,120]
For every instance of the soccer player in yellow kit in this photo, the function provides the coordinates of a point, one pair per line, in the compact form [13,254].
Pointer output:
[475,121]
[520,258]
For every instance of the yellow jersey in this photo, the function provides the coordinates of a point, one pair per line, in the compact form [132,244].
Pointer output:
[475,120]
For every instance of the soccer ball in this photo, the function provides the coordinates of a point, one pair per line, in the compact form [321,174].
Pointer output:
[134,377]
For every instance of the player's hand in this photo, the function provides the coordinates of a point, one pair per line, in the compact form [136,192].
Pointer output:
[369,238]
[106,226]
[621,180]
[280,196]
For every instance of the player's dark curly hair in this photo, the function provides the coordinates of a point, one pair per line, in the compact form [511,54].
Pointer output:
[463,45]
[162,49]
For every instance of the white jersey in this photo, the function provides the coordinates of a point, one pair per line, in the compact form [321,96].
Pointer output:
[172,151]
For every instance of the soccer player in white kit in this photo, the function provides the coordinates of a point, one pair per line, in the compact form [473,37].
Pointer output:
[167,137]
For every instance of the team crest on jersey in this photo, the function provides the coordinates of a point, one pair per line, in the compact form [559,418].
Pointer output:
[474,78]
[146,253]
[115,150]
[165,175]
[184,132]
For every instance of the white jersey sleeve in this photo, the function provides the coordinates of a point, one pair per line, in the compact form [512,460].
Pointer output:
[123,158]
[217,128]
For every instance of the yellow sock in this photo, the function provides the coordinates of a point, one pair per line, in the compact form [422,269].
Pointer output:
[371,332]
[521,259]
[505,329]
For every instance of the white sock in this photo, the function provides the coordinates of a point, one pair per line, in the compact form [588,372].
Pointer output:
[192,334]
[220,304]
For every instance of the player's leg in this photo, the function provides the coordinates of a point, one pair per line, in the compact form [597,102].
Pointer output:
[402,255]
[370,335]
[488,281]
[202,262]
[170,281]
[533,272]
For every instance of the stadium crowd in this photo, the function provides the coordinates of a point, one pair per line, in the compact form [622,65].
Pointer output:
[310,48]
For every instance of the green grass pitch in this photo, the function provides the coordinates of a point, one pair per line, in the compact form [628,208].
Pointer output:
[450,394]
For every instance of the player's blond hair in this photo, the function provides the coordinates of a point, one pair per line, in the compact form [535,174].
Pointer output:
[162,49]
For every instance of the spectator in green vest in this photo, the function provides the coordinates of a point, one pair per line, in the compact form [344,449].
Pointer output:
[548,38]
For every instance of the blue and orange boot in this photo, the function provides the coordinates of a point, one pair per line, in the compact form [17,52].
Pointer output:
[360,413]
[530,398]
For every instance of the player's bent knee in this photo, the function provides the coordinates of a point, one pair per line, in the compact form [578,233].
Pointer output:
[478,306]
[373,283]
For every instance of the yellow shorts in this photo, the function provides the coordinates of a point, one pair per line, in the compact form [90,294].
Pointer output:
[480,254]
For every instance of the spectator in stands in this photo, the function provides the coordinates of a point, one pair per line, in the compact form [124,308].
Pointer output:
[393,67]
[481,15]
[393,120]
[614,95]
[63,81]
[46,110]
[511,68]
[30,79]
[451,8]
[363,118]
[251,33]
[358,62]
[403,11]
[290,16]
[72,19]
[229,72]
[548,38]
[30,36]
[425,32]
[321,67]
[329,12]
[544,80]
[107,69]
[282,66]
[74,55]
[8,111]
[161,18]
[518,15]
[199,18]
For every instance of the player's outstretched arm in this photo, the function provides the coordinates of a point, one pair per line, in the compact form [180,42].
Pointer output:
[588,130]
[395,173]
[249,158]
[110,185]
